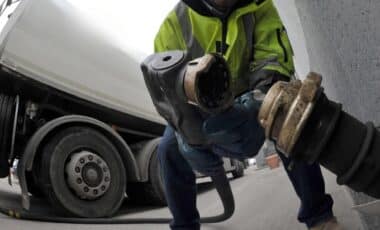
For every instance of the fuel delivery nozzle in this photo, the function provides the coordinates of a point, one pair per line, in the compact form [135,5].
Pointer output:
[184,90]
[175,78]
[207,83]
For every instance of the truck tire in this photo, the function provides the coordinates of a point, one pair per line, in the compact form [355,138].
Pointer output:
[239,169]
[34,187]
[6,126]
[82,173]
[34,180]
[154,189]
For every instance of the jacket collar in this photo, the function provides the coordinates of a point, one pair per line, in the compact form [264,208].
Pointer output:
[201,9]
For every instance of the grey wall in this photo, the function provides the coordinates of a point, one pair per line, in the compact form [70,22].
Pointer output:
[343,44]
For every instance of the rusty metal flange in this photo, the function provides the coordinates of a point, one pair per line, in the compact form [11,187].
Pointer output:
[209,69]
[194,69]
[276,105]
[286,108]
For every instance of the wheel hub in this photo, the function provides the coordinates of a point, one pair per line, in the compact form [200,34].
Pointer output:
[92,174]
[88,175]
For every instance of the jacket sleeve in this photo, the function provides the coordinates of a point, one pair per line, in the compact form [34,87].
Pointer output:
[273,54]
[169,35]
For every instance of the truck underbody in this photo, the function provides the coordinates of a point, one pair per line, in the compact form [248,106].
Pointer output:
[77,125]
[33,105]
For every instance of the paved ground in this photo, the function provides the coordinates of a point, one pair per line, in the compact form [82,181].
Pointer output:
[264,201]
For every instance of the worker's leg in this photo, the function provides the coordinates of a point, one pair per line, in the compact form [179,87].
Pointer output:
[201,159]
[179,182]
[307,180]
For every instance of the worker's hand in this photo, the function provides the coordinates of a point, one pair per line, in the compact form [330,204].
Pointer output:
[236,132]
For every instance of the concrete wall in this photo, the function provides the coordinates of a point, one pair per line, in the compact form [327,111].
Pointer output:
[343,43]
[342,39]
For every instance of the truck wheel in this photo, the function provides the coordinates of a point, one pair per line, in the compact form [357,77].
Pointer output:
[154,189]
[33,186]
[239,169]
[34,180]
[82,173]
[6,126]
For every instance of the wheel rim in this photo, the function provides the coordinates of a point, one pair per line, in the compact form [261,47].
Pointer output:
[88,175]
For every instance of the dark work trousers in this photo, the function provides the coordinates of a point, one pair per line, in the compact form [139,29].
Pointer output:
[180,187]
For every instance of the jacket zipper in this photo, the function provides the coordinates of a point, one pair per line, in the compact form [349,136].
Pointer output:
[282,44]
[224,36]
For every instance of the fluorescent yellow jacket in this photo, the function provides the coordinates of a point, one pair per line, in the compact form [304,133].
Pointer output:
[253,33]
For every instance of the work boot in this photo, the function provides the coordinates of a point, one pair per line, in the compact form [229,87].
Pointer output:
[331,224]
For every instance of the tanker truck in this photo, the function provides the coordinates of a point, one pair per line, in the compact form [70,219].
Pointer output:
[77,125]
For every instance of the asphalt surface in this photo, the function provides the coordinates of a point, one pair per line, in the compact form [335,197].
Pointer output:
[264,198]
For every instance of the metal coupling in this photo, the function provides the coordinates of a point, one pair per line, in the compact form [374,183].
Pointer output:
[207,83]
[286,109]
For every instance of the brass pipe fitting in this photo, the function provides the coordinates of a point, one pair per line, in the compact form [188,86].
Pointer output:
[286,109]
[207,83]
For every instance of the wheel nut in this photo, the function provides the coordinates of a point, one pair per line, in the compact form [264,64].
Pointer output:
[103,188]
[86,189]
[90,157]
[81,161]
[106,179]
[77,169]
[95,192]
[79,181]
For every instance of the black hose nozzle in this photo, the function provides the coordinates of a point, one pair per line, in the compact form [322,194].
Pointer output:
[184,91]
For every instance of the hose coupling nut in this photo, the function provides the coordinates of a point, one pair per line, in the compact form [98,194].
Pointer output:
[286,109]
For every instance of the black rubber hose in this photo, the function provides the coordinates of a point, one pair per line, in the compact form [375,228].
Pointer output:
[344,145]
[220,182]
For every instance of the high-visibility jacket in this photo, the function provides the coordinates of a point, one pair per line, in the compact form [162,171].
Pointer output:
[251,35]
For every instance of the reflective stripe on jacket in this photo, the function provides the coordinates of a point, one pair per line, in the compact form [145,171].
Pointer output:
[254,35]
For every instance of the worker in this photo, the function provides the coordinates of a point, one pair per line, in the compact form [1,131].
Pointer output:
[251,37]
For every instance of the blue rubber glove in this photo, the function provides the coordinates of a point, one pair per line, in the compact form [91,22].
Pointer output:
[236,132]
